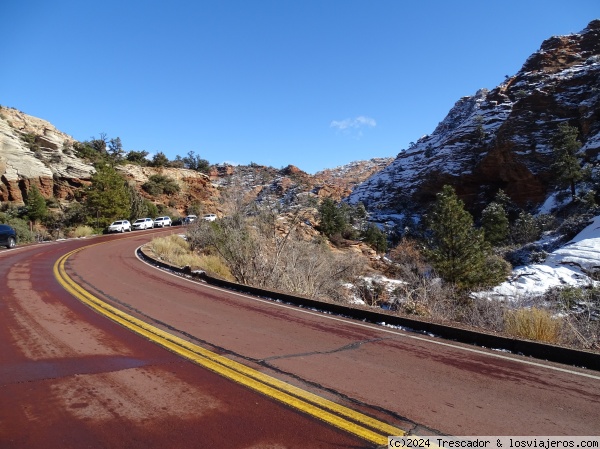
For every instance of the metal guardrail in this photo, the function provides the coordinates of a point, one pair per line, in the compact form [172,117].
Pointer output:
[538,350]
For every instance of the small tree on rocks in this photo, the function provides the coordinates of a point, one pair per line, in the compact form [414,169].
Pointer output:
[456,249]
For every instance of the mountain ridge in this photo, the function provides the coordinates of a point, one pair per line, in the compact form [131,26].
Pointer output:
[35,152]
[499,139]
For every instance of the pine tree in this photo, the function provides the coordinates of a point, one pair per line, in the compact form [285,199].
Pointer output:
[567,166]
[115,148]
[456,249]
[332,218]
[160,160]
[525,229]
[509,206]
[36,204]
[494,222]
[375,238]
[107,196]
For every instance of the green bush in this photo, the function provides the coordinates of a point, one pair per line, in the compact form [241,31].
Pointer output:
[24,234]
[152,188]
[151,208]
[137,157]
[160,184]
[494,222]
[30,140]
[339,220]
[36,204]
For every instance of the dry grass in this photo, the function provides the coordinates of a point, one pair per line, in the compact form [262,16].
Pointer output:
[175,251]
[533,324]
[215,266]
[82,231]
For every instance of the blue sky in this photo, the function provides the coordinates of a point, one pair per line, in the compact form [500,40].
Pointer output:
[314,83]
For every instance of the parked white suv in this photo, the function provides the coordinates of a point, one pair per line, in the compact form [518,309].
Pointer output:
[189,219]
[161,222]
[119,226]
[209,217]
[143,223]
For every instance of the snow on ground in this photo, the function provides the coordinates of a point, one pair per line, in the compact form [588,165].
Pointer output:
[563,267]
[388,284]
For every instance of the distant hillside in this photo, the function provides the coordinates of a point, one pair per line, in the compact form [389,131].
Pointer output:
[341,180]
[34,152]
[500,139]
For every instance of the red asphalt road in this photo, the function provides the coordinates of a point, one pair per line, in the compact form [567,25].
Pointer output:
[71,378]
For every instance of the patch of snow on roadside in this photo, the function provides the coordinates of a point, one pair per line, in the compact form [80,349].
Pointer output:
[564,267]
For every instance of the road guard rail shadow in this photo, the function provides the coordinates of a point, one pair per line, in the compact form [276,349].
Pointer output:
[538,350]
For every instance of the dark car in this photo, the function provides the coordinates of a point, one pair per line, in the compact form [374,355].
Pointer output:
[8,236]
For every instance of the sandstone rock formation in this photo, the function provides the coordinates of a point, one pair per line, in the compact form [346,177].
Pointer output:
[196,188]
[45,160]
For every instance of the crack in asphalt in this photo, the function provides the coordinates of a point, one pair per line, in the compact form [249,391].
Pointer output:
[265,363]
[349,347]
[394,415]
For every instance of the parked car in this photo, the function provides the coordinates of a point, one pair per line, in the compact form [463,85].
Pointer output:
[209,217]
[190,219]
[161,222]
[143,223]
[8,236]
[120,226]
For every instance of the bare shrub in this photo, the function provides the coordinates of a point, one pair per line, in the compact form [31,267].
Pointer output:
[582,332]
[486,314]
[311,269]
[411,307]
[581,310]
[259,252]
[408,259]
[442,304]
[198,234]
[420,292]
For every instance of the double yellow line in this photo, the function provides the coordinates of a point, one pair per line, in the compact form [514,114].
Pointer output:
[337,415]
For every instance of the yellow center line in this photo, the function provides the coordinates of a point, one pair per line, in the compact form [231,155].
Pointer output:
[335,414]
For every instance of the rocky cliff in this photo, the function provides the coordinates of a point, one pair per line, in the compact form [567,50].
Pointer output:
[500,138]
[32,151]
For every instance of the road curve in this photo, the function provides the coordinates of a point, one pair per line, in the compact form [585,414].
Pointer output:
[70,378]
[103,383]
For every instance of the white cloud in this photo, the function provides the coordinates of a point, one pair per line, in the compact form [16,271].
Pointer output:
[353,123]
